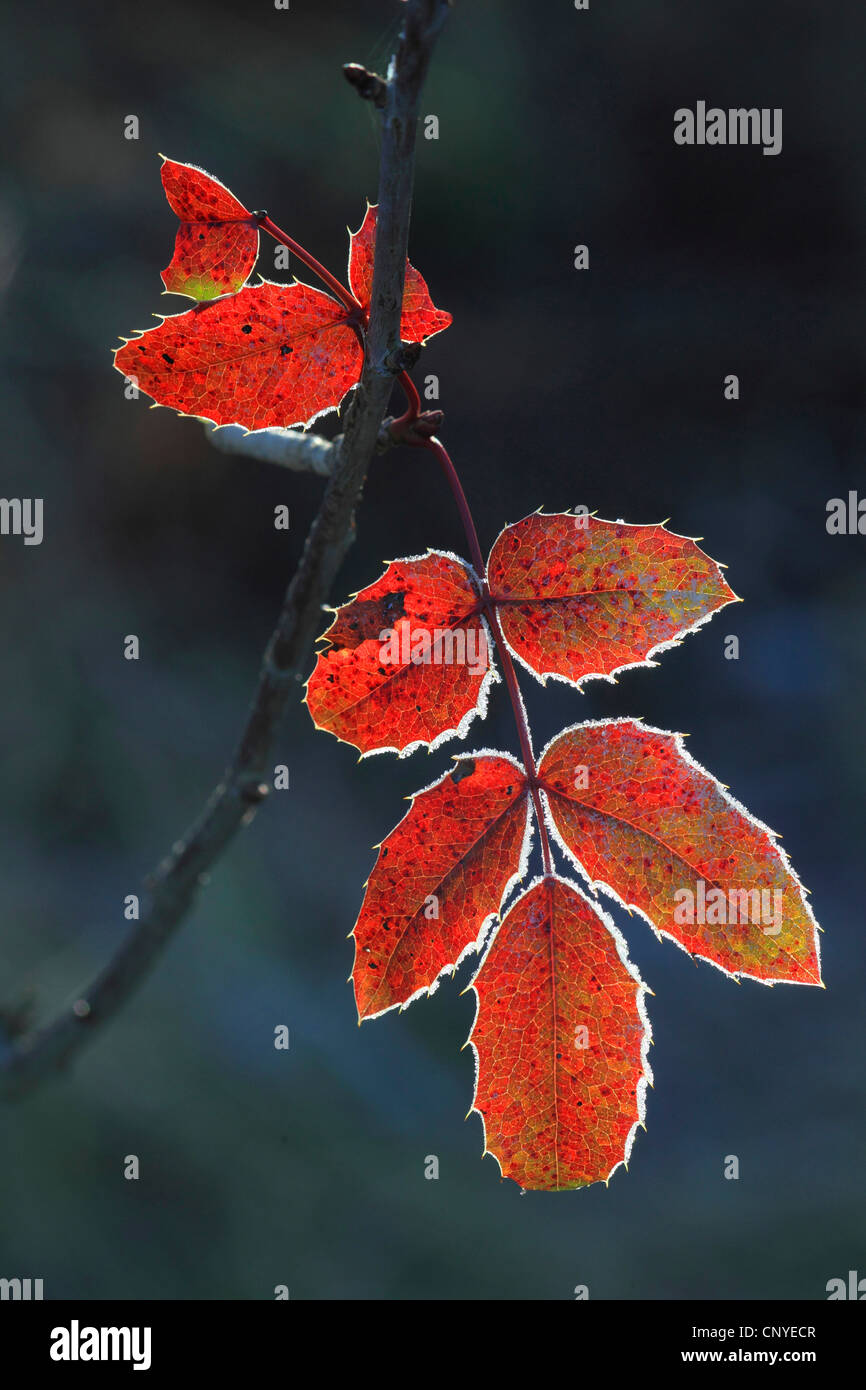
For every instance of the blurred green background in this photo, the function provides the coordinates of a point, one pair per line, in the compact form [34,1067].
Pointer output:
[603,388]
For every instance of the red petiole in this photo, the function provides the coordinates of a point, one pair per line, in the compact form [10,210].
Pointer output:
[345,296]
[400,427]
[489,609]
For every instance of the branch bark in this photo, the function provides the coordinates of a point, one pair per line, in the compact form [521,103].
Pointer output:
[28,1059]
[294,449]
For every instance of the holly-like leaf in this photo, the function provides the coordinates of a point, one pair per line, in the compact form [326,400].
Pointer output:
[603,595]
[303,350]
[420,318]
[271,355]
[407,661]
[579,597]
[440,877]
[647,824]
[561,1038]
[217,242]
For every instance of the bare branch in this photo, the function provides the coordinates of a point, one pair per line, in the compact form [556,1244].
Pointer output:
[29,1058]
[294,449]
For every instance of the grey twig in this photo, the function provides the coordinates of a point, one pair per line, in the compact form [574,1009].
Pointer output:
[35,1054]
[294,449]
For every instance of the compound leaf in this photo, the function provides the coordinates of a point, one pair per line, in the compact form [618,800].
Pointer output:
[265,356]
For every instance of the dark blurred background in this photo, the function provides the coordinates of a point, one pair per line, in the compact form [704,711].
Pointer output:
[560,387]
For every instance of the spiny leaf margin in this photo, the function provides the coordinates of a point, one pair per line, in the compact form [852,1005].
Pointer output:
[632,908]
[492,918]
[642,989]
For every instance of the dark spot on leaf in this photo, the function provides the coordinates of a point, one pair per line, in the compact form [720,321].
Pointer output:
[394,605]
[463,769]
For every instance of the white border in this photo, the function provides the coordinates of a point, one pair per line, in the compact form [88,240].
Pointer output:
[595,884]
[139,333]
[520,873]
[646,1077]
[544,676]
[488,680]
[352,235]
[355,290]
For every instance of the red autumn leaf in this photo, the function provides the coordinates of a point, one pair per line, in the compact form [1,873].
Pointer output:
[217,242]
[440,877]
[653,828]
[304,349]
[579,597]
[407,661]
[669,588]
[420,319]
[561,1039]
[271,355]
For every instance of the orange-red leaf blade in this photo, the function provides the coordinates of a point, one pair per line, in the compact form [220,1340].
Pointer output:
[440,876]
[420,318]
[646,822]
[407,663]
[561,1039]
[581,597]
[271,355]
[217,242]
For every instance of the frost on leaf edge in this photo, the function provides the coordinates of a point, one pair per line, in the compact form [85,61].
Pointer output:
[304,424]
[632,908]
[646,1077]
[485,685]
[544,676]
[517,877]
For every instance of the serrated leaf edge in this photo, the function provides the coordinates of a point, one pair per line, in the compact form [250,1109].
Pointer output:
[206,419]
[492,917]
[646,1077]
[488,680]
[611,677]
[659,932]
